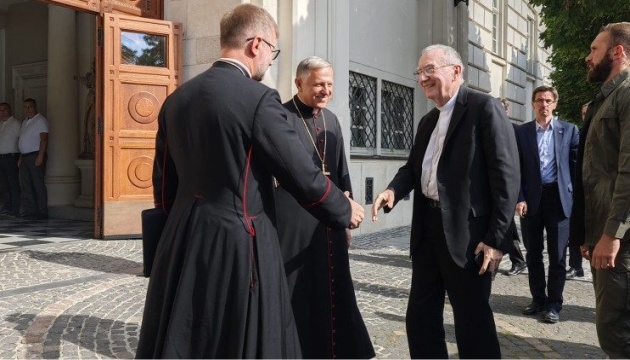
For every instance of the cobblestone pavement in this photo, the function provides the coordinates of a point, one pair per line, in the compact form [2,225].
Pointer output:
[381,270]
[83,298]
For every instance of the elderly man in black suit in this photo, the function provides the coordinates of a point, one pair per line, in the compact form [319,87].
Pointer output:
[463,169]
[548,153]
[218,288]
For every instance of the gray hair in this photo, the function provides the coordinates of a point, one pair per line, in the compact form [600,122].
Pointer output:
[309,64]
[451,56]
[244,21]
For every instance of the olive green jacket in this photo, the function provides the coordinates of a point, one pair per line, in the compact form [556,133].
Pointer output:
[606,164]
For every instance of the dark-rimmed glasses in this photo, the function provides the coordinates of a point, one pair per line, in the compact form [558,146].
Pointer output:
[274,52]
[546,101]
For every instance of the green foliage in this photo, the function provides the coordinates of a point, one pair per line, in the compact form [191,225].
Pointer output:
[571,26]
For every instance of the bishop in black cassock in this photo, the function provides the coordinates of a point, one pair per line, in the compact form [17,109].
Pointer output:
[316,257]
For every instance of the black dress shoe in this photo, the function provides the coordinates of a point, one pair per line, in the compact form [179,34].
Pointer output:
[533,309]
[551,316]
[516,269]
[573,273]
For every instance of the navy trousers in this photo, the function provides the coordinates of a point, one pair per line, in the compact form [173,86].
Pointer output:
[550,218]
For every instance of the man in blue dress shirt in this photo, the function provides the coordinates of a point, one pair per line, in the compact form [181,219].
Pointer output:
[547,150]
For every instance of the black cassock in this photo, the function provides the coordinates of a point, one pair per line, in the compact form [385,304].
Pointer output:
[218,288]
[316,257]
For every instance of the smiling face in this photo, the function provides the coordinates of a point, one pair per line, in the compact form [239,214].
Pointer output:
[443,83]
[315,88]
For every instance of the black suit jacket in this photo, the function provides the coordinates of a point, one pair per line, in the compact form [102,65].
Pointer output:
[566,138]
[477,175]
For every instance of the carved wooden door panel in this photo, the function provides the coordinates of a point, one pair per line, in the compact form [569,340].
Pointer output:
[141,66]
[143,8]
[93,6]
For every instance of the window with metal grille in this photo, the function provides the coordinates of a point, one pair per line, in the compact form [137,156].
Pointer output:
[363,110]
[497,26]
[396,116]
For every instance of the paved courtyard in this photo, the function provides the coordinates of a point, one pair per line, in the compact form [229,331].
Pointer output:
[65,295]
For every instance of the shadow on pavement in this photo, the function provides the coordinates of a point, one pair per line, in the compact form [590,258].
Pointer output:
[382,290]
[514,305]
[97,262]
[383,259]
[109,338]
[513,346]
[390,317]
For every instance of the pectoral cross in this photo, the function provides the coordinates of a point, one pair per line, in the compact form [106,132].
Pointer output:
[327,173]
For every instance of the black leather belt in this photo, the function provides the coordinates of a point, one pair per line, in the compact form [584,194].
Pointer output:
[11,154]
[553,185]
[31,153]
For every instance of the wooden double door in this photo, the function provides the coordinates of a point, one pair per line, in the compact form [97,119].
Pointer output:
[138,65]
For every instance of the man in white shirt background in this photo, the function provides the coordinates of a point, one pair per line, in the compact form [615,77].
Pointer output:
[32,144]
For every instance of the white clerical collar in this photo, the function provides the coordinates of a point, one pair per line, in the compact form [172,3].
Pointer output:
[450,104]
[244,69]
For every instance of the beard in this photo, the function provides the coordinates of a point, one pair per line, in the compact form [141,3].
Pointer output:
[260,72]
[258,76]
[600,72]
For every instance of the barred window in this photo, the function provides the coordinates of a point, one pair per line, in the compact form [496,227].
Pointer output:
[363,110]
[396,116]
[495,27]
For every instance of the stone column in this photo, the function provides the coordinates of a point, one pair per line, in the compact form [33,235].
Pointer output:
[62,176]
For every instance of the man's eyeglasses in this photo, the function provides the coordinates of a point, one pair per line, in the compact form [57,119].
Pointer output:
[274,52]
[429,70]
[545,101]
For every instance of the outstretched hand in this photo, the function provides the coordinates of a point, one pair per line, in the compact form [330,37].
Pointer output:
[383,199]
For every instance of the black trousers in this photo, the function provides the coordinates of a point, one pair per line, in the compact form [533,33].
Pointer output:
[516,256]
[549,217]
[10,183]
[575,257]
[33,186]
[434,275]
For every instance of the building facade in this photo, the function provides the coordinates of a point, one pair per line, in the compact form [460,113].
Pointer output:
[65,52]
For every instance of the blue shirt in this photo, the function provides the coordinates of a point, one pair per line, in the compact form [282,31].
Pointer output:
[546,153]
